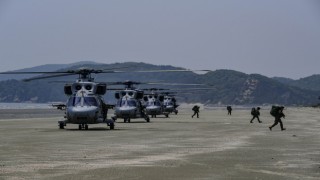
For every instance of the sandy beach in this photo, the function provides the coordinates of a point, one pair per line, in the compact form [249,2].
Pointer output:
[214,146]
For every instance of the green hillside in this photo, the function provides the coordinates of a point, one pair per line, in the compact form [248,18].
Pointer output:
[232,87]
[310,82]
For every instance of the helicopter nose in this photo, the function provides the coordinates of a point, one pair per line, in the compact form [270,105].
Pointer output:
[169,107]
[83,114]
[127,110]
[153,109]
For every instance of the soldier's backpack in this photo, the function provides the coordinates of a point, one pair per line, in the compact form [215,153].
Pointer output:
[194,108]
[253,111]
[274,110]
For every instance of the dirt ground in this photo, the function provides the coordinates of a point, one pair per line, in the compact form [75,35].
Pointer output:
[214,146]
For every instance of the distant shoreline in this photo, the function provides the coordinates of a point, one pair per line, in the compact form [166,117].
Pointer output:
[25,106]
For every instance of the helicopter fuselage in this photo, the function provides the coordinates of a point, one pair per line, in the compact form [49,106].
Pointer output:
[85,105]
[169,105]
[129,106]
[154,106]
[84,110]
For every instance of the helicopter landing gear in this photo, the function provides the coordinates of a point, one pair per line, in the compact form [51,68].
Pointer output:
[111,126]
[61,125]
[126,120]
[147,118]
[83,126]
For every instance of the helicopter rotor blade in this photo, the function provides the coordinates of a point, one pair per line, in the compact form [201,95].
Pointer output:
[169,93]
[76,71]
[176,84]
[66,82]
[35,72]
[211,88]
[89,70]
[114,89]
[171,70]
[153,83]
[86,71]
[154,89]
[124,83]
[46,77]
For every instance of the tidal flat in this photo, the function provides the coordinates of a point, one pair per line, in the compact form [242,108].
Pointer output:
[214,146]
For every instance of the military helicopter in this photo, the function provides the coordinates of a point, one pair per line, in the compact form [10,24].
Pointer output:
[129,104]
[85,104]
[164,103]
[129,100]
[154,103]
[170,102]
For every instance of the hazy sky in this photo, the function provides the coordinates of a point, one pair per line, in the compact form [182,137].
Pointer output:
[269,37]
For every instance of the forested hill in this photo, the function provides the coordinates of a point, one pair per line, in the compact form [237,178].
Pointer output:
[227,86]
[310,82]
[239,88]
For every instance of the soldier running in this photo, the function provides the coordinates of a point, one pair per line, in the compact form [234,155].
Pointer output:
[255,114]
[278,114]
[196,110]
[229,110]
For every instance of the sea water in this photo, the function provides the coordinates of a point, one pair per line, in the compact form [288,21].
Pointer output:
[25,106]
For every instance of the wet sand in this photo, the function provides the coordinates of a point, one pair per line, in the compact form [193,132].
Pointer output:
[214,146]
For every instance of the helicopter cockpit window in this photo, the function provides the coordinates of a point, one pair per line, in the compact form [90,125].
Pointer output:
[157,103]
[70,101]
[130,93]
[129,102]
[123,93]
[74,101]
[132,103]
[119,103]
[154,103]
[90,101]
[168,103]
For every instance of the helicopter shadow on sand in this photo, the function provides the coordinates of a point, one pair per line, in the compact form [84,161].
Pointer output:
[82,130]
[98,129]
[133,122]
